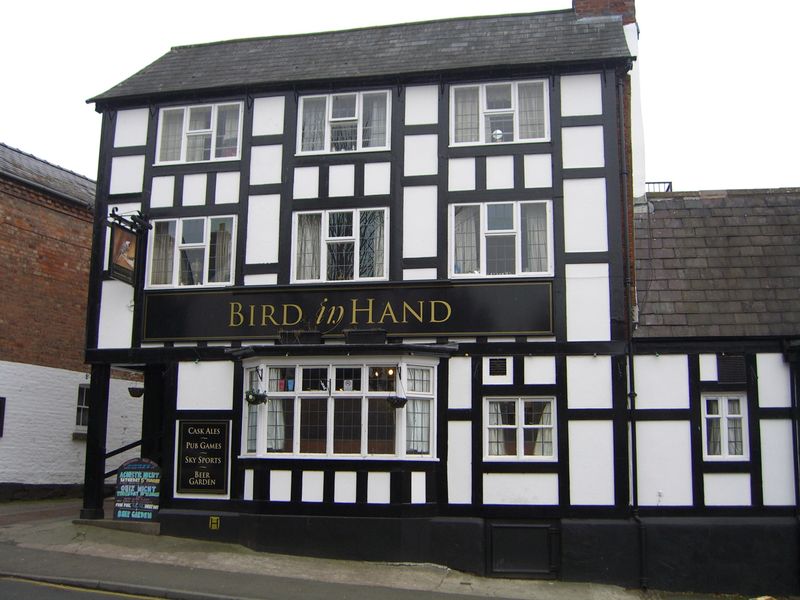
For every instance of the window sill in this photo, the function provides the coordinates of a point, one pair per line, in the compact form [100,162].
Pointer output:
[340,457]
[341,152]
[513,143]
[178,163]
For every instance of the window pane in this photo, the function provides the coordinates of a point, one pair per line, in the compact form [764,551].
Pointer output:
[193,231]
[498,97]
[171,135]
[373,128]
[315,379]
[419,380]
[308,246]
[348,379]
[347,426]
[227,140]
[500,255]
[220,251]
[199,118]
[712,406]
[191,266]
[735,438]
[502,412]
[418,425]
[380,427]
[466,257]
[343,106]
[531,111]
[714,439]
[534,238]
[280,425]
[344,136]
[538,413]
[499,217]
[503,442]
[500,128]
[161,263]
[281,379]
[313,127]
[465,102]
[252,427]
[340,261]
[733,406]
[371,257]
[198,147]
[82,414]
[313,425]
[340,224]
[382,379]
[538,442]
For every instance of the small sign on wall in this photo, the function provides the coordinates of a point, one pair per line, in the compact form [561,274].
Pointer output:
[203,454]
[138,488]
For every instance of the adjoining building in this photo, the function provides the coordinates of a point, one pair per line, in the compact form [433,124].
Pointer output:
[47,215]
[383,301]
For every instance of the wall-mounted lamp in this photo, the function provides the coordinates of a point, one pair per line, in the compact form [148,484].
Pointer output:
[136,392]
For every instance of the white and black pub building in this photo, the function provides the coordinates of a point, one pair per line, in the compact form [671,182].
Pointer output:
[381,308]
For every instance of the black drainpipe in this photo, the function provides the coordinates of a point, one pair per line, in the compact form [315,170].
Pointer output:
[630,303]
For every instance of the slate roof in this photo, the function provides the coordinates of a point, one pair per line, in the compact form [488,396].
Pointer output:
[395,50]
[40,174]
[719,264]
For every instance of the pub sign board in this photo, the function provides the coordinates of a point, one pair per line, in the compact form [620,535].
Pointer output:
[122,258]
[138,490]
[203,452]
[439,309]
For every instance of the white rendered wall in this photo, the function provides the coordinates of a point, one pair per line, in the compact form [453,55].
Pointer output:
[419,221]
[726,489]
[774,381]
[116,315]
[461,174]
[662,381]
[581,95]
[588,303]
[582,147]
[637,120]
[162,191]
[664,465]
[421,155]
[459,382]
[777,464]
[499,172]
[341,180]
[520,488]
[379,487]
[422,105]
[263,229]
[377,178]
[130,128]
[265,164]
[540,370]
[589,382]
[194,189]
[227,188]
[708,367]
[312,486]
[268,115]
[306,182]
[591,462]
[41,405]
[205,385]
[344,487]
[280,486]
[459,462]
[127,174]
[585,227]
[538,170]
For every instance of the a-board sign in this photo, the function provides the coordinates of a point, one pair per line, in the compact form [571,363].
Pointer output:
[203,457]
[138,488]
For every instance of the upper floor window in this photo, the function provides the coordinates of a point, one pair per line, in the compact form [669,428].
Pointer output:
[192,251]
[501,239]
[340,245]
[495,113]
[350,122]
[199,133]
[725,427]
[519,428]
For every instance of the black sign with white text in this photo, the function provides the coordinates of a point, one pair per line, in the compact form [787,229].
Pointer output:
[203,457]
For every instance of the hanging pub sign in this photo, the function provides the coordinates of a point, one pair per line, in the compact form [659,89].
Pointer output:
[122,260]
[138,489]
[203,457]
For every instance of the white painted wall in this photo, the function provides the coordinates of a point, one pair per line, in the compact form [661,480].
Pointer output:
[265,164]
[268,115]
[459,462]
[637,120]
[708,367]
[777,466]
[499,172]
[205,385]
[378,488]
[585,220]
[591,463]
[280,486]
[419,274]
[162,192]
[422,104]
[130,128]
[520,488]
[41,405]
[726,489]
[421,156]
[263,229]
[306,182]
[459,382]
[582,147]
[377,178]
[194,189]
[581,95]
[263,279]
[418,489]
[116,315]
[227,188]
[540,370]
[419,221]
[312,486]
[127,174]
[461,174]
[341,180]
[588,303]
[774,381]
[344,487]
[538,170]
[662,381]
[589,382]
[247,493]
[664,463]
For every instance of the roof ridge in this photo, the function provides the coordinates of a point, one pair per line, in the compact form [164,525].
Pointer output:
[48,163]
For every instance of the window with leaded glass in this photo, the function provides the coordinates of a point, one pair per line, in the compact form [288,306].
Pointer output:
[199,133]
[344,122]
[725,427]
[519,428]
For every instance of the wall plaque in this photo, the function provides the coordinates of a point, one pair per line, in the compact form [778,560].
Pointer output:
[138,489]
[203,457]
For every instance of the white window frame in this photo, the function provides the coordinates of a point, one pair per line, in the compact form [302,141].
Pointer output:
[82,408]
[325,239]
[483,112]
[186,134]
[358,118]
[402,450]
[486,233]
[178,246]
[519,428]
[724,416]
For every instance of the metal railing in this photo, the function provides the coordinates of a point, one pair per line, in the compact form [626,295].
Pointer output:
[658,186]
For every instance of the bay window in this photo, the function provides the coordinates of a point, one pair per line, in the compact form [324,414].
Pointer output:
[346,122]
[340,245]
[725,427]
[519,428]
[501,239]
[199,133]
[499,113]
[192,251]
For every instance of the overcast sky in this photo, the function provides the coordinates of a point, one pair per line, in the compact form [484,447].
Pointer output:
[719,77]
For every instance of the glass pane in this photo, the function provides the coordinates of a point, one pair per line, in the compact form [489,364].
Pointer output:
[534,238]
[340,260]
[498,97]
[344,136]
[502,412]
[712,406]
[252,427]
[503,442]
[227,139]
[343,106]
[418,425]
[500,128]
[419,380]
[348,379]
[220,254]
[467,232]
[538,442]
[735,438]
[373,128]
[198,147]
[191,266]
[465,128]
[380,427]
[193,231]
[313,127]
[280,425]
[199,118]
[371,256]
[499,217]
[171,135]
[347,426]
[281,379]
[315,379]
[538,413]
[714,439]
[531,111]
[340,224]
[313,425]
[500,255]
[161,263]
[734,407]
[382,379]
[308,246]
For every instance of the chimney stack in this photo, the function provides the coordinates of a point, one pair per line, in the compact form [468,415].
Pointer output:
[599,8]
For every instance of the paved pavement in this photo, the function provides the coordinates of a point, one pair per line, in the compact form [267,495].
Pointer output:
[40,541]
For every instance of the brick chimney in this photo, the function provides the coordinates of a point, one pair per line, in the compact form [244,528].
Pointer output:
[598,8]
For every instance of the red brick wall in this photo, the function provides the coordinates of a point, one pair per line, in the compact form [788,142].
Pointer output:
[590,8]
[45,245]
